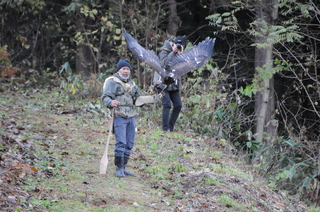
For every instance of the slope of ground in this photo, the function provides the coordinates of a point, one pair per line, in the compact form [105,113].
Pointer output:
[51,149]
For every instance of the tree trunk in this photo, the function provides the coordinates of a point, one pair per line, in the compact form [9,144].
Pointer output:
[174,20]
[264,99]
[85,63]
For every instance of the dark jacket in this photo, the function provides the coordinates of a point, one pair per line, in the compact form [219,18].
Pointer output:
[166,55]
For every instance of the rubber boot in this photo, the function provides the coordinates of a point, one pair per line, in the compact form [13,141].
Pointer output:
[126,158]
[118,161]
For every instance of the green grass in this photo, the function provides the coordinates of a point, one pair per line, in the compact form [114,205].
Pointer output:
[229,202]
[173,169]
[314,209]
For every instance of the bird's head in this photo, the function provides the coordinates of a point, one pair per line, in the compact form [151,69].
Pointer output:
[169,79]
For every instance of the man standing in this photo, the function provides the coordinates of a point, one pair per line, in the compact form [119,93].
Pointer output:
[170,50]
[120,92]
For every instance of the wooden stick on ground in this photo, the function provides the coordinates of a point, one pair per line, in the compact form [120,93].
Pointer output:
[104,159]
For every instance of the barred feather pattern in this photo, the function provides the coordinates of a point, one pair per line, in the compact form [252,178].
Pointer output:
[193,58]
[147,56]
[180,65]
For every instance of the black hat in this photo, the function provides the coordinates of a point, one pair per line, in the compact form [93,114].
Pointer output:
[123,63]
[181,40]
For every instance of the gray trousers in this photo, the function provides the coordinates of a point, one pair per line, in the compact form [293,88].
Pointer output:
[125,132]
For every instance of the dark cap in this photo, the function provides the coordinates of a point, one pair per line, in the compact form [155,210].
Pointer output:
[123,63]
[181,40]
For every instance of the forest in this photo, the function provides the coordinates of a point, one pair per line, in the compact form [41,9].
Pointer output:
[259,91]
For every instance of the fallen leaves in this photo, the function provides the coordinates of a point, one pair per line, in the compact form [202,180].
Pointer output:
[62,133]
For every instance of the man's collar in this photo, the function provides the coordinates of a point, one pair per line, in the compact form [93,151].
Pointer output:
[121,78]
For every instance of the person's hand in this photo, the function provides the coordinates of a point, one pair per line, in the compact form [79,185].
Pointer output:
[114,103]
[177,50]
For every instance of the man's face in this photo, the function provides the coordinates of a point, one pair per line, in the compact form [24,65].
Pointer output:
[177,48]
[124,72]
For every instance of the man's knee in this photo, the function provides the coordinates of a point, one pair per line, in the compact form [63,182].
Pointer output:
[177,107]
[167,106]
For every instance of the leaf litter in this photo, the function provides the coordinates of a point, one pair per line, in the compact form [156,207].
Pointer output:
[50,153]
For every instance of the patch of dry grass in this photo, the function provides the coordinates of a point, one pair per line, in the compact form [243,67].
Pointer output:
[52,148]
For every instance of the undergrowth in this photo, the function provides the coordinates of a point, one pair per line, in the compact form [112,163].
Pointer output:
[211,119]
[61,143]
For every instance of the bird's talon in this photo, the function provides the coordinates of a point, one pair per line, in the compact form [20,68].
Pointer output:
[151,90]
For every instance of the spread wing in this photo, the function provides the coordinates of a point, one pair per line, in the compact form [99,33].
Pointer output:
[193,58]
[147,56]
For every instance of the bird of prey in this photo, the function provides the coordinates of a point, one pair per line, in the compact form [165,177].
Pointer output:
[180,65]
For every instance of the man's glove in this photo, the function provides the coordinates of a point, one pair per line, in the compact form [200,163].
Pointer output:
[142,100]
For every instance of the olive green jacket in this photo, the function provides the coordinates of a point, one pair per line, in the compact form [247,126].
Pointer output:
[124,91]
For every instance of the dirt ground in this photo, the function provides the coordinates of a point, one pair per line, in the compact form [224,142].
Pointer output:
[51,149]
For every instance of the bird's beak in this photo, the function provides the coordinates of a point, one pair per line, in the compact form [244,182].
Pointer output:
[171,75]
